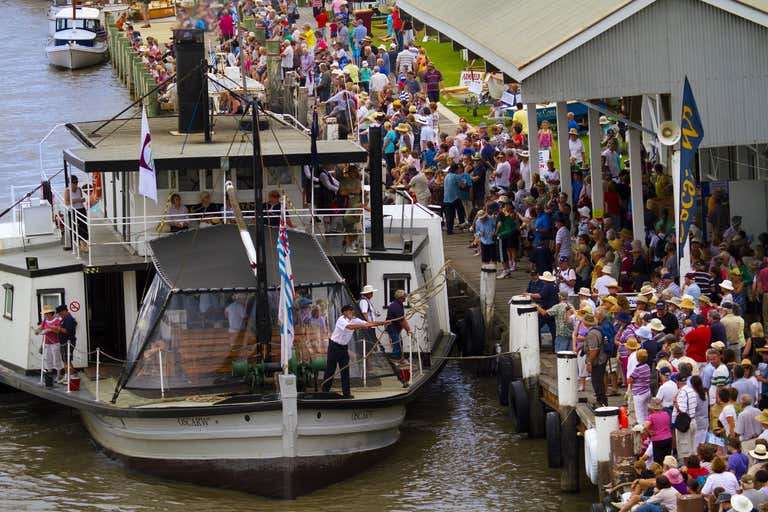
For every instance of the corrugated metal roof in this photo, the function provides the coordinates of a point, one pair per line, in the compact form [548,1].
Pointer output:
[519,31]
[521,37]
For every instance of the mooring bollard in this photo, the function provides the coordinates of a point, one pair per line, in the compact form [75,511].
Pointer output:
[606,422]
[524,339]
[487,292]
[567,379]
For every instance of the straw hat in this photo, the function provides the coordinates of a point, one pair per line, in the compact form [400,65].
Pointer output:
[641,298]
[760,452]
[547,276]
[585,291]
[718,345]
[632,344]
[746,362]
[604,120]
[656,325]
[727,285]
[481,214]
[523,153]
[646,290]
[607,269]
[687,303]
[403,127]
[368,289]
[740,503]
[609,299]
[47,309]
[573,131]
[705,300]
[612,284]
[588,320]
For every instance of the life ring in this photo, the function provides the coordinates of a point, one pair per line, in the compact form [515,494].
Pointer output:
[590,454]
[94,195]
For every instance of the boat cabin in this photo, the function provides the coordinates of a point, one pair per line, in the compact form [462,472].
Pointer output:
[107,273]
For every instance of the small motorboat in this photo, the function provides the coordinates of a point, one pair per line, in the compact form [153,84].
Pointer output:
[79,41]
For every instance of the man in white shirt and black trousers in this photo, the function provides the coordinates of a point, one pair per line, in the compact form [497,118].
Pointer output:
[338,347]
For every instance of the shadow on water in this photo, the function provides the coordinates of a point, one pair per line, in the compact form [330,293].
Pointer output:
[456,453]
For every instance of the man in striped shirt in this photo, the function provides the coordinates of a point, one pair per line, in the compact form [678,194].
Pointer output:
[703,278]
[405,60]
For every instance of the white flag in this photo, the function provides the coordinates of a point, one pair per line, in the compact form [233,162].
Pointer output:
[147,178]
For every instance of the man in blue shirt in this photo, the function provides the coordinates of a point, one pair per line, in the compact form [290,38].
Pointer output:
[542,226]
[359,33]
[397,322]
[412,84]
[451,201]
[572,122]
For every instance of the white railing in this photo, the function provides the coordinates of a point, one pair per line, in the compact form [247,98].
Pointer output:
[141,229]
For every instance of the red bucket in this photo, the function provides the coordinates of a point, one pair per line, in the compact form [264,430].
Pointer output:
[405,375]
[74,383]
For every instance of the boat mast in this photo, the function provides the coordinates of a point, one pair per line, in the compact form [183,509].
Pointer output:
[263,323]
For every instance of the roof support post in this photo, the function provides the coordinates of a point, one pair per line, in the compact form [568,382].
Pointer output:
[533,137]
[636,183]
[564,153]
[595,167]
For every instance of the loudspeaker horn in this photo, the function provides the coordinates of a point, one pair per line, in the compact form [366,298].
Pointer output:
[669,133]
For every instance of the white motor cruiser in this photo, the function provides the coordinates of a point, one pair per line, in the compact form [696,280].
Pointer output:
[79,41]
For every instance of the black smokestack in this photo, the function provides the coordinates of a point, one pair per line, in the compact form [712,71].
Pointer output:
[376,179]
[191,79]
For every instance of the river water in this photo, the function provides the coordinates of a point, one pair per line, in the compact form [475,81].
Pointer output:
[457,451]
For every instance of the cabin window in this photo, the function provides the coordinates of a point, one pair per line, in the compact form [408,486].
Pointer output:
[244,178]
[279,176]
[53,297]
[208,179]
[164,180]
[394,282]
[8,301]
[189,180]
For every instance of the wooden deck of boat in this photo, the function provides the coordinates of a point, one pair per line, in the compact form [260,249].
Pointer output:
[468,269]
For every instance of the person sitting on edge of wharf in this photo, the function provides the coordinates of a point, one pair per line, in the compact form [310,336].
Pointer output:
[338,347]
[396,322]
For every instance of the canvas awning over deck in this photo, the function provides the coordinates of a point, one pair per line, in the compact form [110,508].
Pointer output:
[214,259]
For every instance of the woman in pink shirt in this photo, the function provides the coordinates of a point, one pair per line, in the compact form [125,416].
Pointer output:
[658,426]
[545,136]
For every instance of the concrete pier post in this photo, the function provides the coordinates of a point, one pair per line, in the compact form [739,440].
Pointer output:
[274,75]
[567,379]
[524,339]
[487,292]
[606,422]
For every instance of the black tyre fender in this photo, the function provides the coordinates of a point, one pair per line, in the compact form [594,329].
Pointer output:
[554,439]
[474,326]
[519,408]
[504,375]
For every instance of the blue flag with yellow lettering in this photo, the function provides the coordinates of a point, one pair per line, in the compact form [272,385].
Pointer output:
[691,133]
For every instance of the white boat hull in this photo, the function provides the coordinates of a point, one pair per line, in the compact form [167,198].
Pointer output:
[247,449]
[75,56]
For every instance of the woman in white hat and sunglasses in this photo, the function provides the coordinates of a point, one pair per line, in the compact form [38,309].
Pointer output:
[49,326]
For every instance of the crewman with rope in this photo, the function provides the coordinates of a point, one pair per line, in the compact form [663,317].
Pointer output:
[338,347]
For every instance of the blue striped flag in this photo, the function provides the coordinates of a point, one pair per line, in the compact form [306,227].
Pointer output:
[287,295]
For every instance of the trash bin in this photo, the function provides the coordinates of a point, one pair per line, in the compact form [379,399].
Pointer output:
[365,15]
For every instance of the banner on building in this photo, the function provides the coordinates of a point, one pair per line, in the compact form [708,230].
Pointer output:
[691,134]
